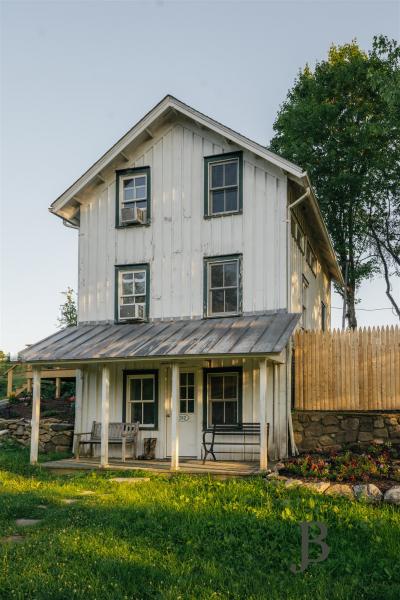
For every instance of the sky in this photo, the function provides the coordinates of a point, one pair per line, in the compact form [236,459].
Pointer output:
[75,76]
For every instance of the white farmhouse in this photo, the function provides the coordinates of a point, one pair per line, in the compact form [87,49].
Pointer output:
[200,252]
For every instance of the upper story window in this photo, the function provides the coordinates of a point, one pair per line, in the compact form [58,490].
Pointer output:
[222,286]
[298,234]
[223,184]
[311,259]
[132,293]
[133,197]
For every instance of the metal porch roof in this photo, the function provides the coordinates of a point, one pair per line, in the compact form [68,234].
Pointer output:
[256,334]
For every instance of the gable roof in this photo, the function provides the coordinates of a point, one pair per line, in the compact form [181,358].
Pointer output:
[162,109]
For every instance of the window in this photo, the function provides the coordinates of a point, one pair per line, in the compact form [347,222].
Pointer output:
[186,390]
[141,393]
[223,402]
[298,234]
[323,316]
[223,183]
[133,197]
[311,259]
[132,293]
[223,286]
[304,302]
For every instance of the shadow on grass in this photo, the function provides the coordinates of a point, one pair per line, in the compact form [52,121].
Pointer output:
[190,537]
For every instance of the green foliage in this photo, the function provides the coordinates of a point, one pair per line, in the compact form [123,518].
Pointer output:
[186,537]
[68,311]
[341,123]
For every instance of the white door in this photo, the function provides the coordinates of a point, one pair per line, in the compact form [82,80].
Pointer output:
[188,445]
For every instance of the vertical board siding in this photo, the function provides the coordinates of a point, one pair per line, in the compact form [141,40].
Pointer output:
[179,236]
[348,370]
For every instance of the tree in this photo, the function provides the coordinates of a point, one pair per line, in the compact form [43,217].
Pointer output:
[68,312]
[332,125]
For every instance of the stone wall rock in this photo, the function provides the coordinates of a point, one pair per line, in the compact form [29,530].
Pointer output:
[316,431]
[54,435]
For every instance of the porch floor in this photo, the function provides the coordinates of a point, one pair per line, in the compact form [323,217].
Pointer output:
[193,466]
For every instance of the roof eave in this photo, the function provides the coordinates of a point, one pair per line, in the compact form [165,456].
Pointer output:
[168,102]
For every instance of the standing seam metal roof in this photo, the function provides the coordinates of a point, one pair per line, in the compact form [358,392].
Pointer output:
[253,334]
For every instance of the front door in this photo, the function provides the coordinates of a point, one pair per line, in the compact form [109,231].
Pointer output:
[188,445]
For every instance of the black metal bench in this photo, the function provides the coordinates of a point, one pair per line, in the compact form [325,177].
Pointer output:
[216,433]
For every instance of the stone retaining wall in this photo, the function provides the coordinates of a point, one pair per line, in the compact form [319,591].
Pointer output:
[319,430]
[54,435]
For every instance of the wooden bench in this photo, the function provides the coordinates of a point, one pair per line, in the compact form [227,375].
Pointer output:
[118,433]
[217,433]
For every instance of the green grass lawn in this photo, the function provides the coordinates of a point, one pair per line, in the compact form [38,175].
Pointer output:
[185,537]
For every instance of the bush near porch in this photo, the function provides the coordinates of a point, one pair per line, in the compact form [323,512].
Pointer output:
[375,463]
[184,537]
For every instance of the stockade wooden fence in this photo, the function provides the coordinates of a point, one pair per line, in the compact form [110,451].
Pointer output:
[347,370]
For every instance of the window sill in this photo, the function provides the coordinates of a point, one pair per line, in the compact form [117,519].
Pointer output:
[131,321]
[225,214]
[119,226]
[223,315]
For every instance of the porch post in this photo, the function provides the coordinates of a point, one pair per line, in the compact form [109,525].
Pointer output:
[35,416]
[58,387]
[10,374]
[174,418]
[105,414]
[263,415]
[78,405]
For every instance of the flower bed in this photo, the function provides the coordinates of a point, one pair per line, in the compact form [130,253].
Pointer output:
[376,462]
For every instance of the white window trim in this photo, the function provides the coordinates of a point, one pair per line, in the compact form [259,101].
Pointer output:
[127,203]
[130,402]
[223,400]
[222,188]
[211,263]
[121,295]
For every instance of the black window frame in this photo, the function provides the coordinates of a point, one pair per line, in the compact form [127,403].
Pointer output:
[129,268]
[134,171]
[220,259]
[222,371]
[126,374]
[218,158]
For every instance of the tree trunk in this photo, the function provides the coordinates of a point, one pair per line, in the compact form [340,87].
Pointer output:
[351,307]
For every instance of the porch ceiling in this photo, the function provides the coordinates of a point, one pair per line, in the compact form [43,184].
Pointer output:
[255,334]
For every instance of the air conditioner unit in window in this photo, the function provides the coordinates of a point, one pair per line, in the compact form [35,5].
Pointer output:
[133,311]
[133,215]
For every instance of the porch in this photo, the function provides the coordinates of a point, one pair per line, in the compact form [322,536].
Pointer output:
[177,379]
[219,468]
